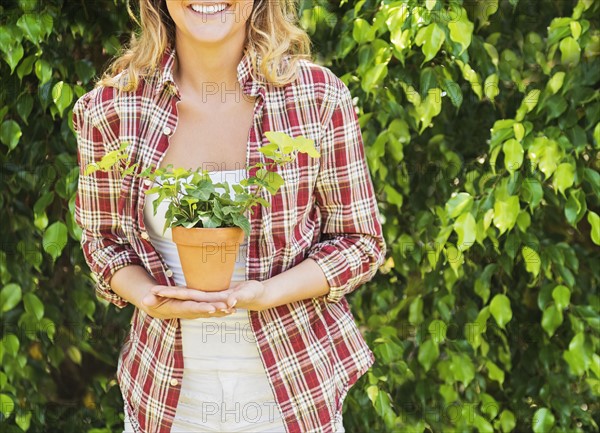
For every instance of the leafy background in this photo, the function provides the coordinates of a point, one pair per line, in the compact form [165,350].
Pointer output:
[481,124]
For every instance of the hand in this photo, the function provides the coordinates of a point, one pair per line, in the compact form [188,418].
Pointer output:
[168,302]
[250,295]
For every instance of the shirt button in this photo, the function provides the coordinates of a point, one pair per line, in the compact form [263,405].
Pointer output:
[144,235]
[169,273]
[167,130]
[174,382]
[147,182]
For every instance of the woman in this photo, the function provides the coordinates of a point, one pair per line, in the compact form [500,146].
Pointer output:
[184,94]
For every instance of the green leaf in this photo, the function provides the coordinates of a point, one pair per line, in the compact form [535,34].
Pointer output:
[428,353]
[506,213]
[62,95]
[570,51]
[462,368]
[532,260]
[500,309]
[542,421]
[374,76]
[7,405]
[431,39]
[491,88]
[13,54]
[43,71]
[576,207]
[531,100]
[564,177]
[494,372]
[362,31]
[466,228]
[551,319]
[507,421]
[519,131]
[437,329]
[561,296]
[31,26]
[594,221]
[11,344]
[461,30]
[415,311]
[556,82]
[33,305]
[10,133]
[532,192]
[513,155]
[55,239]
[23,420]
[10,296]
[576,356]
[546,154]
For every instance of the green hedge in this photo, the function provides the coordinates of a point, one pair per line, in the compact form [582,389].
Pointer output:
[481,125]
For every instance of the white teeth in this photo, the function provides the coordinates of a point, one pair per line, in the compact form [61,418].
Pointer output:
[212,9]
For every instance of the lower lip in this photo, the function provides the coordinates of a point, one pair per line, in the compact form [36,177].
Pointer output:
[218,14]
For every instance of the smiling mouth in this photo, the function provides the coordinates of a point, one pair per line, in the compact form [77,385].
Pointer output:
[213,9]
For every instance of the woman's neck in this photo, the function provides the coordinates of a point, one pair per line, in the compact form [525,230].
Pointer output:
[208,70]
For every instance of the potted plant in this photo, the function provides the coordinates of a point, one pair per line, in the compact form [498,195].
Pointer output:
[207,219]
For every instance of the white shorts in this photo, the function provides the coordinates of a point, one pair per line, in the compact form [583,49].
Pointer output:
[225,387]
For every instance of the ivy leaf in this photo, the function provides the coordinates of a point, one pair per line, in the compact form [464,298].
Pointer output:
[62,95]
[461,30]
[430,38]
[594,221]
[542,421]
[415,311]
[561,296]
[577,356]
[532,260]
[462,368]
[55,239]
[575,207]
[495,372]
[33,305]
[564,177]
[513,155]
[556,82]
[428,353]
[491,88]
[500,309]
[506,213]
[13,54]
[7,405]
[551,319]
[10,133]
[465,227]
[10,296]
[507,421]
[570,51]
[31,26]
[374,76]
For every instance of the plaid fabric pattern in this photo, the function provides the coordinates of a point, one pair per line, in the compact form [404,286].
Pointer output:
[312,349]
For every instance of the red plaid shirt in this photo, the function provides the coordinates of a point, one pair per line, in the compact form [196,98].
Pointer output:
[312,349]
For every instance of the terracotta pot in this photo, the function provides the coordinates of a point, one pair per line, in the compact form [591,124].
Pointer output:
[208,256]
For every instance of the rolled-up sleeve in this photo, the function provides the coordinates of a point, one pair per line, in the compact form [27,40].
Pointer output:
[105,246]
[351,247]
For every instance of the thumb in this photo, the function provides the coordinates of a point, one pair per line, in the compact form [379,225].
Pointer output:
[232,300]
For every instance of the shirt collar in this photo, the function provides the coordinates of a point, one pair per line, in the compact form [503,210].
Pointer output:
[248,84]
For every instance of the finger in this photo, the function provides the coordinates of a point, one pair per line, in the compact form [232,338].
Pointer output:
[187,294]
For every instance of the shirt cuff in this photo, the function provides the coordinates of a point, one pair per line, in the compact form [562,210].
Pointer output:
[103,288]
[335,267]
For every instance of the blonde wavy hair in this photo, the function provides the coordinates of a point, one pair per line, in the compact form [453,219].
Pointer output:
[271,33]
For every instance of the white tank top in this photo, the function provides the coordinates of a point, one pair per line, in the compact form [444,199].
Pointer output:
[193,330]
